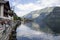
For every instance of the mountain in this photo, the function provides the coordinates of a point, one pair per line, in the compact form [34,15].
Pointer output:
[53,19]
[49,16]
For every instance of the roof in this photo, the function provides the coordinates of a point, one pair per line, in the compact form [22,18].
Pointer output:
[5,2]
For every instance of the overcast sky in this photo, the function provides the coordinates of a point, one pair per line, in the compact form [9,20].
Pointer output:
[23,7]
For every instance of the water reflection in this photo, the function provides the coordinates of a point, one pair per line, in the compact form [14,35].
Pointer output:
[39,27]
[34,31]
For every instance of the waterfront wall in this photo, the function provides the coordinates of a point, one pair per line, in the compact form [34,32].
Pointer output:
[6,31]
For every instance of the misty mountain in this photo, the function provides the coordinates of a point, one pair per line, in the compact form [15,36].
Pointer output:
[49,16]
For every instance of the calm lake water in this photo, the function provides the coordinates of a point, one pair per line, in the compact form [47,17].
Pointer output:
[35,31]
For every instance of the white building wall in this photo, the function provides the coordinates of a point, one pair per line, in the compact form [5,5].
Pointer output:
[10,17]
[2,10]
[2,13]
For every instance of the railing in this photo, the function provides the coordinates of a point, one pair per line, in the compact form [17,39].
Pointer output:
[6,17]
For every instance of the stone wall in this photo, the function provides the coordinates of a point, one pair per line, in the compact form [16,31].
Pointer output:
[6,30]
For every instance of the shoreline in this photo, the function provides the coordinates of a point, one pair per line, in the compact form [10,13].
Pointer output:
[12,36]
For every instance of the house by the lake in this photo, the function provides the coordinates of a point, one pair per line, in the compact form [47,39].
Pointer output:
[5,10]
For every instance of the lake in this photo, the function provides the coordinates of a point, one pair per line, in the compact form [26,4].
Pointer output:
[35,31]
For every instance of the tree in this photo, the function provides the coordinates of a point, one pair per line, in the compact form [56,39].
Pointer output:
[18,18]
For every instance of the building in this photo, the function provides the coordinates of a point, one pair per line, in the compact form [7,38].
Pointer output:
[5,10]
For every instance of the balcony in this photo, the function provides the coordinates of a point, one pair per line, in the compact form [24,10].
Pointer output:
[10,12]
